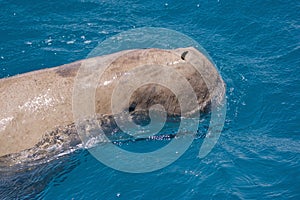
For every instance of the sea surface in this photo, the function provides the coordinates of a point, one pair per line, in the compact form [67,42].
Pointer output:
[256,48]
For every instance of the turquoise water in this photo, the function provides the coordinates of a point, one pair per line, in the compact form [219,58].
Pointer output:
[256,47]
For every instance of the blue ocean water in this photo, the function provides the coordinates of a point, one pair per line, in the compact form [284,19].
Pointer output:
[256,47]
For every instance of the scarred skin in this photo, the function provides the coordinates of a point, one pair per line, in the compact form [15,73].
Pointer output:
[40,102]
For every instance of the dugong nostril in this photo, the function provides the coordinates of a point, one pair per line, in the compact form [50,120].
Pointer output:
[183,55]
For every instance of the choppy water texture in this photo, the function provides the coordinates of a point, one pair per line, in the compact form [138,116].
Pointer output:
[256,47]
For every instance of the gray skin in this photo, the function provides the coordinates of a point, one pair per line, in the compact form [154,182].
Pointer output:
[37,106]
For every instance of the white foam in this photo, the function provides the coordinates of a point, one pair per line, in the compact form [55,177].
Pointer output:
[87,42]
[71,42]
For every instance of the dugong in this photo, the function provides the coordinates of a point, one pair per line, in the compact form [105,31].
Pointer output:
[36,107]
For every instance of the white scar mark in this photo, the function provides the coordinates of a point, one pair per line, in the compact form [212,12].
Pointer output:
[176,62]
[110,81]
[4,122]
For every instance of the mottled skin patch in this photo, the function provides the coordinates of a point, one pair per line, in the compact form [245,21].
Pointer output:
[69,70]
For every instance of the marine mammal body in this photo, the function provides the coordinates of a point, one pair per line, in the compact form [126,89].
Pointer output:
[36,104]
